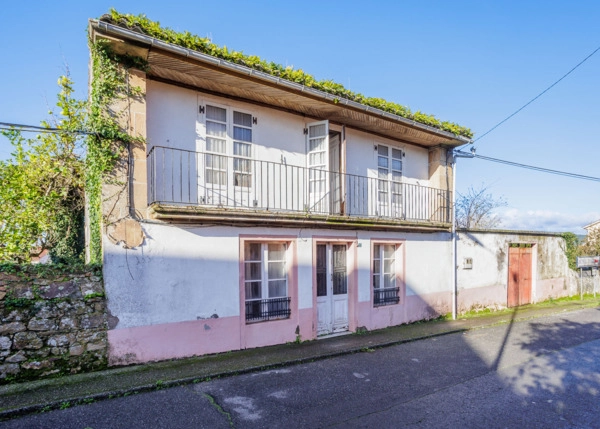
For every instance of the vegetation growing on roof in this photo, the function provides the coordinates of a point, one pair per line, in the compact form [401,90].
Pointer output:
[190,41]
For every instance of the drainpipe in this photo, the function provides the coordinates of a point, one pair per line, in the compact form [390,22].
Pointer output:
[455,155]
[454,261]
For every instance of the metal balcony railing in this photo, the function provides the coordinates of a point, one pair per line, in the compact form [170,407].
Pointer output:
[206,179]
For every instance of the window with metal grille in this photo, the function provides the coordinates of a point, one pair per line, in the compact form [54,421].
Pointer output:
[265,281]
[385,289]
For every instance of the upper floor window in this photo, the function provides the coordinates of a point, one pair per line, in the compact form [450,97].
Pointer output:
[242,148]
[389,184]
[228,132]
[216,142]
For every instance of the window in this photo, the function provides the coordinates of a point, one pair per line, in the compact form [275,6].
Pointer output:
[385,289]
[218,134]
[389,173]
[242,149]
[317,162]
[216,143]
[265,281]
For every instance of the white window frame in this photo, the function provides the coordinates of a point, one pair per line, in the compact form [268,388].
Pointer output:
[229,154]
[265,280]
[389,180]
[242,157]
[378,271]
[213,155]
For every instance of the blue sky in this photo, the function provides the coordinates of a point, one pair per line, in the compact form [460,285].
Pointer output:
[470,62]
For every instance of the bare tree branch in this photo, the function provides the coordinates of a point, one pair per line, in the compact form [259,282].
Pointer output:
[475,209]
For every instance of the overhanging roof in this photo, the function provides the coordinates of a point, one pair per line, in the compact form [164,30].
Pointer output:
[179,65]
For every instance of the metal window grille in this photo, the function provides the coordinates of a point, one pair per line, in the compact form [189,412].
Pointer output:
[268,309]
[386,296]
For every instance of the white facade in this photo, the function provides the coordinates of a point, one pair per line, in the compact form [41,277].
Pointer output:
[174,121]
[187,289]
[182,286]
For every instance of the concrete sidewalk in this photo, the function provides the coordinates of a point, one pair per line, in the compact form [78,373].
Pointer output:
[24,398]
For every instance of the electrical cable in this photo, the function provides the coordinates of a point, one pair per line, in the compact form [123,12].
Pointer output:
[535,98]
[37,129]
[531,167]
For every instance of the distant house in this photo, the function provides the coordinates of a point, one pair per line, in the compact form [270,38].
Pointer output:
[592,227]
[261,211]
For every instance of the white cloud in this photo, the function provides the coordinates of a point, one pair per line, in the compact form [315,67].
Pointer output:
[542,220]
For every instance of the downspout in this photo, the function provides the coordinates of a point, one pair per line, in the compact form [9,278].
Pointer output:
[454,255]
[455,155]
[343,170]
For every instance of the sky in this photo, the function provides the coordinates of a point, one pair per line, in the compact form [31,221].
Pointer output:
[470,62]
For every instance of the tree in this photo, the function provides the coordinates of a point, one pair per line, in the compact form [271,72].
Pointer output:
[475,209]
[42,195]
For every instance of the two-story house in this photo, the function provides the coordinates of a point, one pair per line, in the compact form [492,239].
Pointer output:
[268,210]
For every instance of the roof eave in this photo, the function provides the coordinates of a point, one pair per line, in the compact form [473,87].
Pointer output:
[107,29]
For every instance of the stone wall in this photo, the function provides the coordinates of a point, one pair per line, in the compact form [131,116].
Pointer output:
[52,322]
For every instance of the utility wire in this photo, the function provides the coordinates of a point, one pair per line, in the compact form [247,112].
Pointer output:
[536,97]
[531,167]
[37,129]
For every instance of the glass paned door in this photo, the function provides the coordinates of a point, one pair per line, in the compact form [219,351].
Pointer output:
[242,159]
[331,288]
[215,157]
[317,154]
[389,181]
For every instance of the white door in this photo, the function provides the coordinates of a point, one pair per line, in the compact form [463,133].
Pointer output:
[317,162]
[242,159]
[332,289]
[389,182]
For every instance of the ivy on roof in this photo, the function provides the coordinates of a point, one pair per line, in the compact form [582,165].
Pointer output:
[201,44]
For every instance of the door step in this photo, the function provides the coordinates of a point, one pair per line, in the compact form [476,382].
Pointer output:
[335,334]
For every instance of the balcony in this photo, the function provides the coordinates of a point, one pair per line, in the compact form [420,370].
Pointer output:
[198,183]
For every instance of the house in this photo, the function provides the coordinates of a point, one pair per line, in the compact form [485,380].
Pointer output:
[592,227]
[260,210]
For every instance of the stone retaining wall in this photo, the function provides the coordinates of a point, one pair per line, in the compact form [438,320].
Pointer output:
[51,323]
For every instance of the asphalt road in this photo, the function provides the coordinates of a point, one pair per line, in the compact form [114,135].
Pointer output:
[543,373]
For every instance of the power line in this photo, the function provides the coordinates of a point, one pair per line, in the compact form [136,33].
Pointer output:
[536,97]
[37,129]
[530,167]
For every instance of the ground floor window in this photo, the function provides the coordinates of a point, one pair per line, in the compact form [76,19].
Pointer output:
[266,281]
[385,287]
